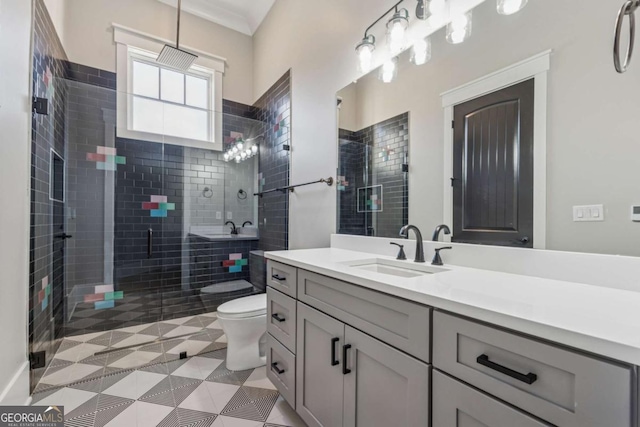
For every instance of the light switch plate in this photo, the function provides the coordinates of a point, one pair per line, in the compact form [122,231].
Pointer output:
[588,213]
[229,215]
[218,215]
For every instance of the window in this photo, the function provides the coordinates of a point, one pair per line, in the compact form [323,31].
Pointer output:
[164,105]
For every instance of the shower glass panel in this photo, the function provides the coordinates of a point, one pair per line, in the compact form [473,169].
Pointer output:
[148,218]
[373,178]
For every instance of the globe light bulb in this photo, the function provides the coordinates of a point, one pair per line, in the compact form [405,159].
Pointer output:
[254,149]
[437,7]
[397,31]
[459,29]
[421,51]
[509,7]
[388,71]
[364,50]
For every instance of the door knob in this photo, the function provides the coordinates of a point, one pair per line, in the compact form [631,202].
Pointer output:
[524,240]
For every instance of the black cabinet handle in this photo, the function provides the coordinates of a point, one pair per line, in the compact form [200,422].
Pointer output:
[345,349]
[529,378]
[278,278]
[150,243]
[277,317]
[274,366]
[334,361]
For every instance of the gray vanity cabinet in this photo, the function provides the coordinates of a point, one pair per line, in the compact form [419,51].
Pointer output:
[385,386]
[319,381]
[347,378]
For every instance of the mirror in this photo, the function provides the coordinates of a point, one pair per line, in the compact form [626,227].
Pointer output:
[523,136]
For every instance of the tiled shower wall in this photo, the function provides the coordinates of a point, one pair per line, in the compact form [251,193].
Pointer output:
[274,110]
[375,155]
[46,272]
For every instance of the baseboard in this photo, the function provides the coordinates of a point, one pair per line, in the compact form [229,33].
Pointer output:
[17,391]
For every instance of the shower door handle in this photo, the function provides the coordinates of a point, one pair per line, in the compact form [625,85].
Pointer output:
[150,243]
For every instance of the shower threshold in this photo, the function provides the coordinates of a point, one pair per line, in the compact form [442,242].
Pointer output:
[158,340]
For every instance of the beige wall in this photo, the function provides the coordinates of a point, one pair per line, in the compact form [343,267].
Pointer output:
[88,38]
[15,149]
[56,9]
[593,145]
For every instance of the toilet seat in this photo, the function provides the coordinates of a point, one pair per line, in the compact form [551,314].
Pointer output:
[251,306]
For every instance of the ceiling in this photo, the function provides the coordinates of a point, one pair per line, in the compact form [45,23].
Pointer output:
[244,16]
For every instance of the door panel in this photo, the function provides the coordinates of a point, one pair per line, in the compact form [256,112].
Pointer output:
[319,383]
[493,168]
[385,386]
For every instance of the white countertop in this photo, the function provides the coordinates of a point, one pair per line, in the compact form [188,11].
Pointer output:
[596,319]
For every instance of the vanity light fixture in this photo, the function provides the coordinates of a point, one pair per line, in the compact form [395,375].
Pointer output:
[509,7]
[241,150]
[421,51]
[397,31]
[365,49]
[389,70]
[459,29]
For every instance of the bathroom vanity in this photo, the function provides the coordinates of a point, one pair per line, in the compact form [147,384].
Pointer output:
[356,338]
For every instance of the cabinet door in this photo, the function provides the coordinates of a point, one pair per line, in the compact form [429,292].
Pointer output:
[385,386]
[319,379]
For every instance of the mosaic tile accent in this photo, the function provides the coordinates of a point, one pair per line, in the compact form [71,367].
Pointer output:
[158,206]
[235,263]
[106,158]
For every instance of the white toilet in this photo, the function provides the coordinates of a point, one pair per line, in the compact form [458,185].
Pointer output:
[244,322]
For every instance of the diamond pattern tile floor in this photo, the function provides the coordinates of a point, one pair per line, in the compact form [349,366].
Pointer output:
[198,391]
[76,359]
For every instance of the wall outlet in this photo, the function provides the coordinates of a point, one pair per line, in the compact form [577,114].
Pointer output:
[229,215]
[588,213]
[218,215]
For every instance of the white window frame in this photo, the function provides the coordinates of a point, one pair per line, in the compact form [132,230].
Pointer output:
[134,45]
[536,67]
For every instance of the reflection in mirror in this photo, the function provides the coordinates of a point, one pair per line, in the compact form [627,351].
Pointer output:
[373,162]
[555,170]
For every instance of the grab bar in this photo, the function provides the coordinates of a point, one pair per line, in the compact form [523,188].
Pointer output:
[628,9]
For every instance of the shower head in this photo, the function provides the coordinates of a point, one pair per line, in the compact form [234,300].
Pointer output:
[175,57]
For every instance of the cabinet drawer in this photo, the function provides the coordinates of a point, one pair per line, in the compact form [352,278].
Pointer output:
[282,277]
[400,323]
[558,385]
[281,318]
[457,405]
[281,369]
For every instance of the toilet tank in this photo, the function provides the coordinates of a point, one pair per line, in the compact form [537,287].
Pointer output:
[258,270]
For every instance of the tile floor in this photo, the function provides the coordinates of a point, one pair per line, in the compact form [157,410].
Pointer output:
[76,361]
[198,392]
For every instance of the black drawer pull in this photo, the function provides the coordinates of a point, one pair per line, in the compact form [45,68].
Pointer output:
[334,361]
[278,278]
[345,349]
[277,317]
[529,378]
[274,366]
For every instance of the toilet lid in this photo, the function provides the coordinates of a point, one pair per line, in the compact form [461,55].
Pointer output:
[254,305]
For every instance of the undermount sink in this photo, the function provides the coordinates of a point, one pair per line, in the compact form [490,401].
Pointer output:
[395,268]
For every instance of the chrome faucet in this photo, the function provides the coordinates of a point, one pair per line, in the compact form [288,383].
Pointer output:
[436,232]
[404,232]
